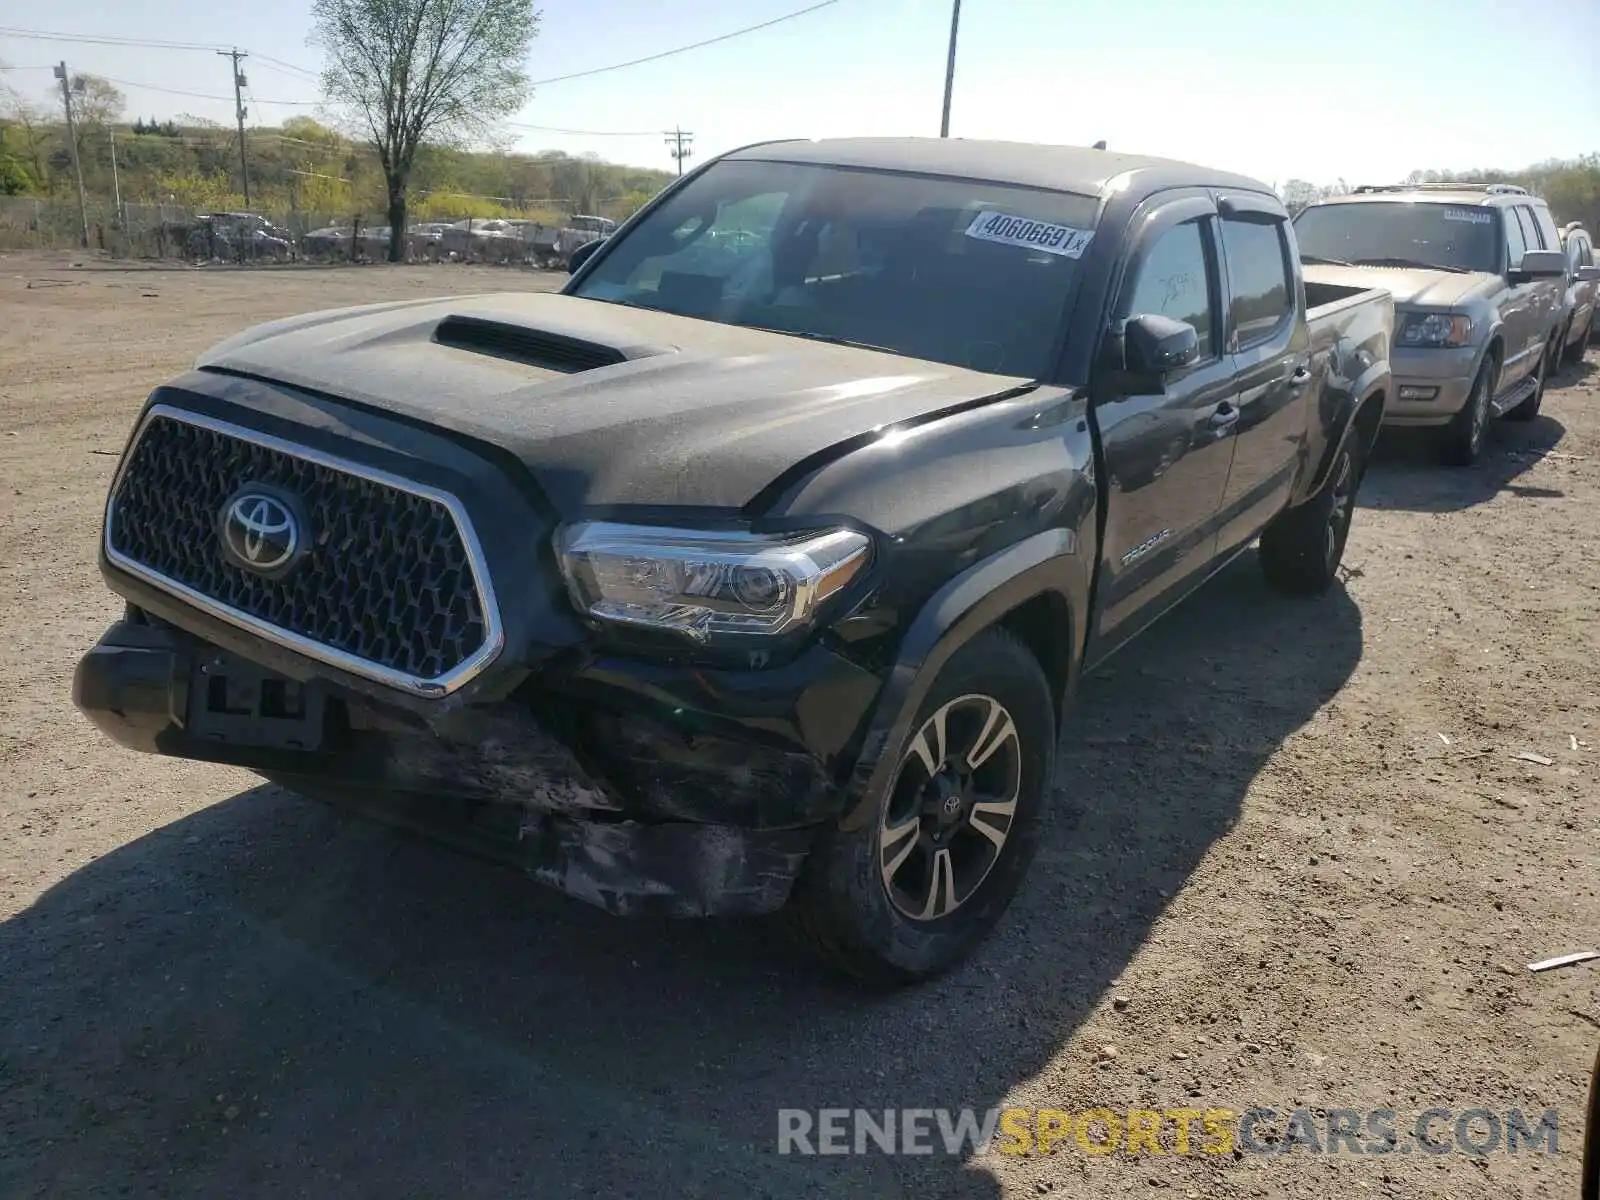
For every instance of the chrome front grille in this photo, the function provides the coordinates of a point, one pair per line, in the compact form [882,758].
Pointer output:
[389,583]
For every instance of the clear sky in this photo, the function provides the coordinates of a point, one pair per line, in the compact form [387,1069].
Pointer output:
[1365,90]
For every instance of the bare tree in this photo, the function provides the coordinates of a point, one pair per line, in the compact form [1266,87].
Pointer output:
[96,105]
[415,70]
[33,131]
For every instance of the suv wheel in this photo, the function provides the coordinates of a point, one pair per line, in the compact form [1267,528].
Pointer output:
[1529,408]
[1463,437]
[1573,351]
[915,889]
[1302,548]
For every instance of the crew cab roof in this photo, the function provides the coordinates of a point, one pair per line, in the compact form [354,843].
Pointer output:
[1029,164]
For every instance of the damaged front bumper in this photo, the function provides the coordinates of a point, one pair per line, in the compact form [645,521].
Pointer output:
[641,788]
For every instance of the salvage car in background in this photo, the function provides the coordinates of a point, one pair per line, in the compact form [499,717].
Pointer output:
[726,583]
[329,242]
[553,246]
[1479,281]
[239,237]
[477,240]
[1584,284]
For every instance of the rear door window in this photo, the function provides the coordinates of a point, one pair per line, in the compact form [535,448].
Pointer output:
[1549,235]
[1260,283]
[1532,239]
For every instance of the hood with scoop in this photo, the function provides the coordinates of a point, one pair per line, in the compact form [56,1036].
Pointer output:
[607,404]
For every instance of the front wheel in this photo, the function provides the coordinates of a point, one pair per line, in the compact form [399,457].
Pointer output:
[917,887]
[1302,548]
[1463,437]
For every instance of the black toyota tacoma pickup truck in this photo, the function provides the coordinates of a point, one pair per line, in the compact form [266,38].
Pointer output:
[755,569]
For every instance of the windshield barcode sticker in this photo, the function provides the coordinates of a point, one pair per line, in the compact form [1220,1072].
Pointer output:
[1471,216]
[989,226]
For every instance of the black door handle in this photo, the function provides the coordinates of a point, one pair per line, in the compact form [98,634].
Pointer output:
[1225,416]
[1300,377]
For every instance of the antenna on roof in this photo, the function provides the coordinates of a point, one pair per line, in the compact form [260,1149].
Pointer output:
[1100,145]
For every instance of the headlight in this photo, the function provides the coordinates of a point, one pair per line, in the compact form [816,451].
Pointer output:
[707,585]
[1433,329]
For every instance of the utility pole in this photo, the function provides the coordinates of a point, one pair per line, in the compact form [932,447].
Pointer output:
[950,69]
[72,140]
[116,183]
[240,112]
[679,140]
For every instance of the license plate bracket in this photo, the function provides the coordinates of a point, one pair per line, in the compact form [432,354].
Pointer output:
[237,702]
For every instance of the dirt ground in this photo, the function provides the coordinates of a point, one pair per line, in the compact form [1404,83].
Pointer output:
[1296,841]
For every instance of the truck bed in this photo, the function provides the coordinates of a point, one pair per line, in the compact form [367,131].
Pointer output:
[1326,299]
[1350,329]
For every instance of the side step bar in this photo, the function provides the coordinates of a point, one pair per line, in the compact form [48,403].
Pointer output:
[1516,396]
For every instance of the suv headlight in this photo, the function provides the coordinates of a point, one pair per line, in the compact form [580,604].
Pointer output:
[1433,329]
[708,585]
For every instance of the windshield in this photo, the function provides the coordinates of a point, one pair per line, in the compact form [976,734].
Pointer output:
[957,271]
[1450,237]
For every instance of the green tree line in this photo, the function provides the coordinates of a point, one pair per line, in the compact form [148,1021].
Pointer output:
[1571,186]
[299,166]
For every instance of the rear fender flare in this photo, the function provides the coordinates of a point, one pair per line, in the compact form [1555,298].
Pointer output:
[1047,562]
[1372,386]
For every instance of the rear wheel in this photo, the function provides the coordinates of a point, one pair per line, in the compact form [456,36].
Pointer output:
[1573,351]
[1302,548]
[1463,437]
[917,887]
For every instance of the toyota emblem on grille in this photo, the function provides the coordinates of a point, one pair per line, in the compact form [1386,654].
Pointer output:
[261,532]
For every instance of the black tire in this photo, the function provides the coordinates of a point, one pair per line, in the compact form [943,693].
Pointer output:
[1463,437]
[1302,548]
[842,909]
[1574,350]
[1529,408]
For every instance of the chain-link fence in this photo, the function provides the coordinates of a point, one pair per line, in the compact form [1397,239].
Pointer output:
[173,231]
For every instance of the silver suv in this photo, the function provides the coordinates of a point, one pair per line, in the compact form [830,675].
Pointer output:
[1479,280]
[1583,290]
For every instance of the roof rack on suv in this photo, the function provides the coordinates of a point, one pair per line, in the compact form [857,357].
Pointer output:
[1492,189]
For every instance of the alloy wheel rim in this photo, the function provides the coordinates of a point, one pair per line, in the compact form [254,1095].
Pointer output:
[1480,406]
[952,807]
[1339,515]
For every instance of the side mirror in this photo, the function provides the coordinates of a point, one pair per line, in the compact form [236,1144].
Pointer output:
[1541,264]
[1588,275]
[581,255]
[1154,345]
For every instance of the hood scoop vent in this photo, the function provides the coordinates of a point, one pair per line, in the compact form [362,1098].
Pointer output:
[535,347]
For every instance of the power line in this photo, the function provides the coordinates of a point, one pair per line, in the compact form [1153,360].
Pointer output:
[44,35]
[151,87]
[287,66]
[584,132]
[634,62]
[298,74]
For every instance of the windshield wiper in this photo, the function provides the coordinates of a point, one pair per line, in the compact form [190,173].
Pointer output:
[1327,262]
[825,337]
[1410,262]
